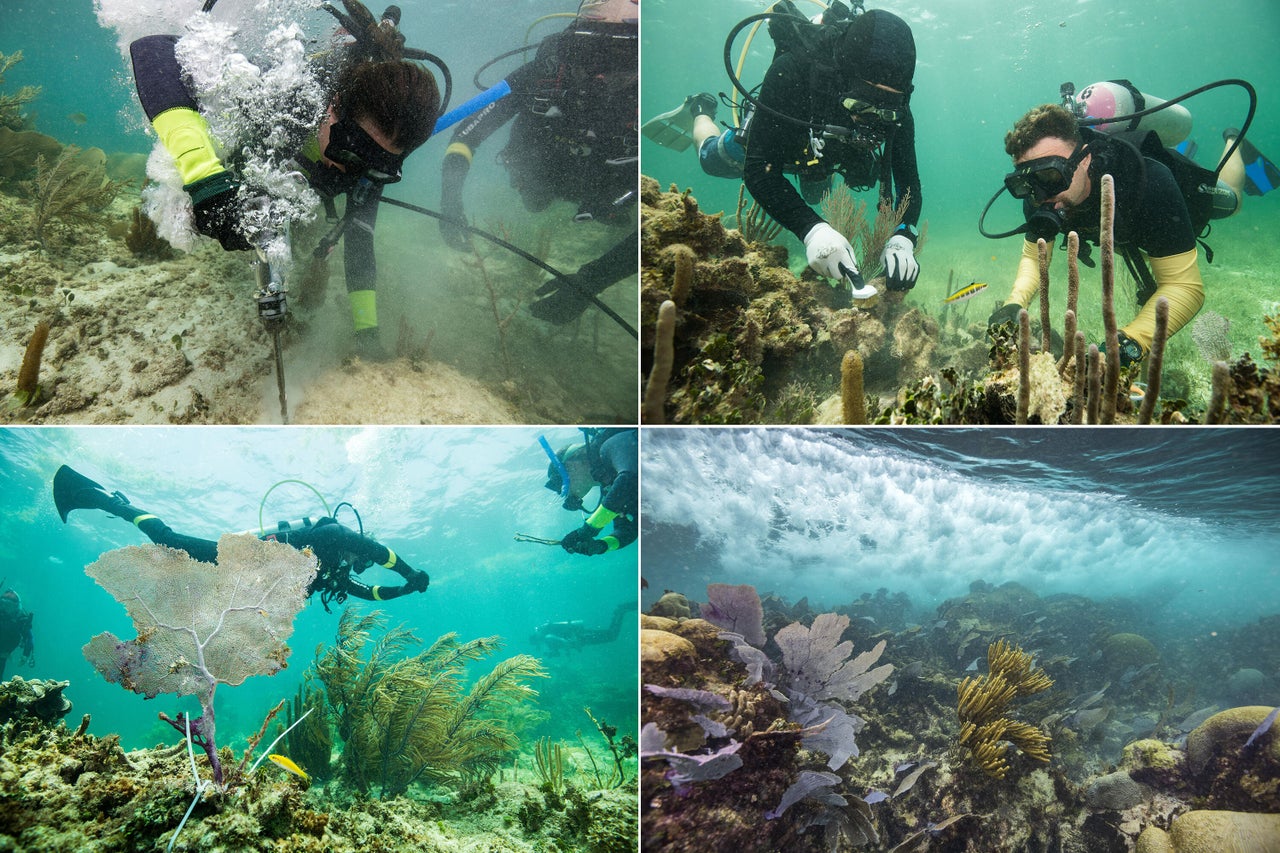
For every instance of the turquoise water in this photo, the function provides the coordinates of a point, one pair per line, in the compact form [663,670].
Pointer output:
[1174,537]
[1186,521]
[449,501]
[980,66]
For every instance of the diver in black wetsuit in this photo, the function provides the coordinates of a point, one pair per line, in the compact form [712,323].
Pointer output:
[380,112]
[610,459]
[555,637]
[856,77]
[1058,170]
[339,550]
[15,630]
[573,137]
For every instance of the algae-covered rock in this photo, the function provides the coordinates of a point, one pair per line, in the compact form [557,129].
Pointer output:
[1225,772]
[1121,652]
[673,605]
[1208,831]
[1227,731]
[1114,792]
[1154,763]
[664,652]
[39,700]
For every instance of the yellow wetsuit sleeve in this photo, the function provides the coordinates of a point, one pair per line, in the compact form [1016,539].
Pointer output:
[601,517]
[1178,280]
[1027,281]
[185,134]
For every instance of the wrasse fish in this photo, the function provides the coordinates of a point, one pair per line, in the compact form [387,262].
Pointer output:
[970,290]
[288,764]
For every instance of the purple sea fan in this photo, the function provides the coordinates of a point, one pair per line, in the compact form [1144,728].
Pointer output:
[810,783]
[736,608]
[818,664]
[703,700]
[687,769]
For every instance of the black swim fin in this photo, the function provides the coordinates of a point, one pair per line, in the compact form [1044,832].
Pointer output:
[73,490]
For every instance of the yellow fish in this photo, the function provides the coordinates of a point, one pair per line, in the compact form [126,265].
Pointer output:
[78,118]
[288,764]
[971,289]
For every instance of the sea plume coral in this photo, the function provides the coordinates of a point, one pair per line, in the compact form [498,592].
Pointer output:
[405,718]
[72,190]
[981,705]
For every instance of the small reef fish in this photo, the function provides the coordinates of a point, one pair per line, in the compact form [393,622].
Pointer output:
[1262,728]
[78,118]
[969,291]
[288,764]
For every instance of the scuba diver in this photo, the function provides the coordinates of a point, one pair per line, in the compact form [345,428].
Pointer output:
[382,107]
[609,458]
[573,138]
[554,637]
[834,100]
[340,551]
[15,629]
[1164,201]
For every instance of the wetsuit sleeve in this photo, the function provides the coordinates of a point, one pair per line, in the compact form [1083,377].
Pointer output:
[1178,280]
[615,264]
[360,262]
[1163,230]
[28,641]
[172,109]
[479,127]
[332,540]
[771,142]
[158,76]
[906,172]
[621,453]
[618,504]
[1027,280]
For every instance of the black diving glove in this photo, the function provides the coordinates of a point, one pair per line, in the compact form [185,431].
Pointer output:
[452,176]
[1007,313]
[564,298]
[583,541]
[417,582]
[216,203]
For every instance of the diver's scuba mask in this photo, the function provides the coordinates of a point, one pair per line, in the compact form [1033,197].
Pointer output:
[351,146]
[560,486]
[1044,177]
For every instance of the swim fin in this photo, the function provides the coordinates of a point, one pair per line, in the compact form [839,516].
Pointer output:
[672,129]
[73,490]
[1261,176]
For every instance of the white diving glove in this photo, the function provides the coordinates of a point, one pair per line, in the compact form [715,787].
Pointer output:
[900,267]
[830,254]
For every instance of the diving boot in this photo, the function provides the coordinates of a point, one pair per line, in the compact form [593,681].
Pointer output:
[73,490]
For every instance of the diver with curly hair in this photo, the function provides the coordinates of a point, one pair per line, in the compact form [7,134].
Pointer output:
[382,107]
[340,551]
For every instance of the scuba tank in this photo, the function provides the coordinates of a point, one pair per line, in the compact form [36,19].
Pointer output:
[282,529]
[1121,98]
